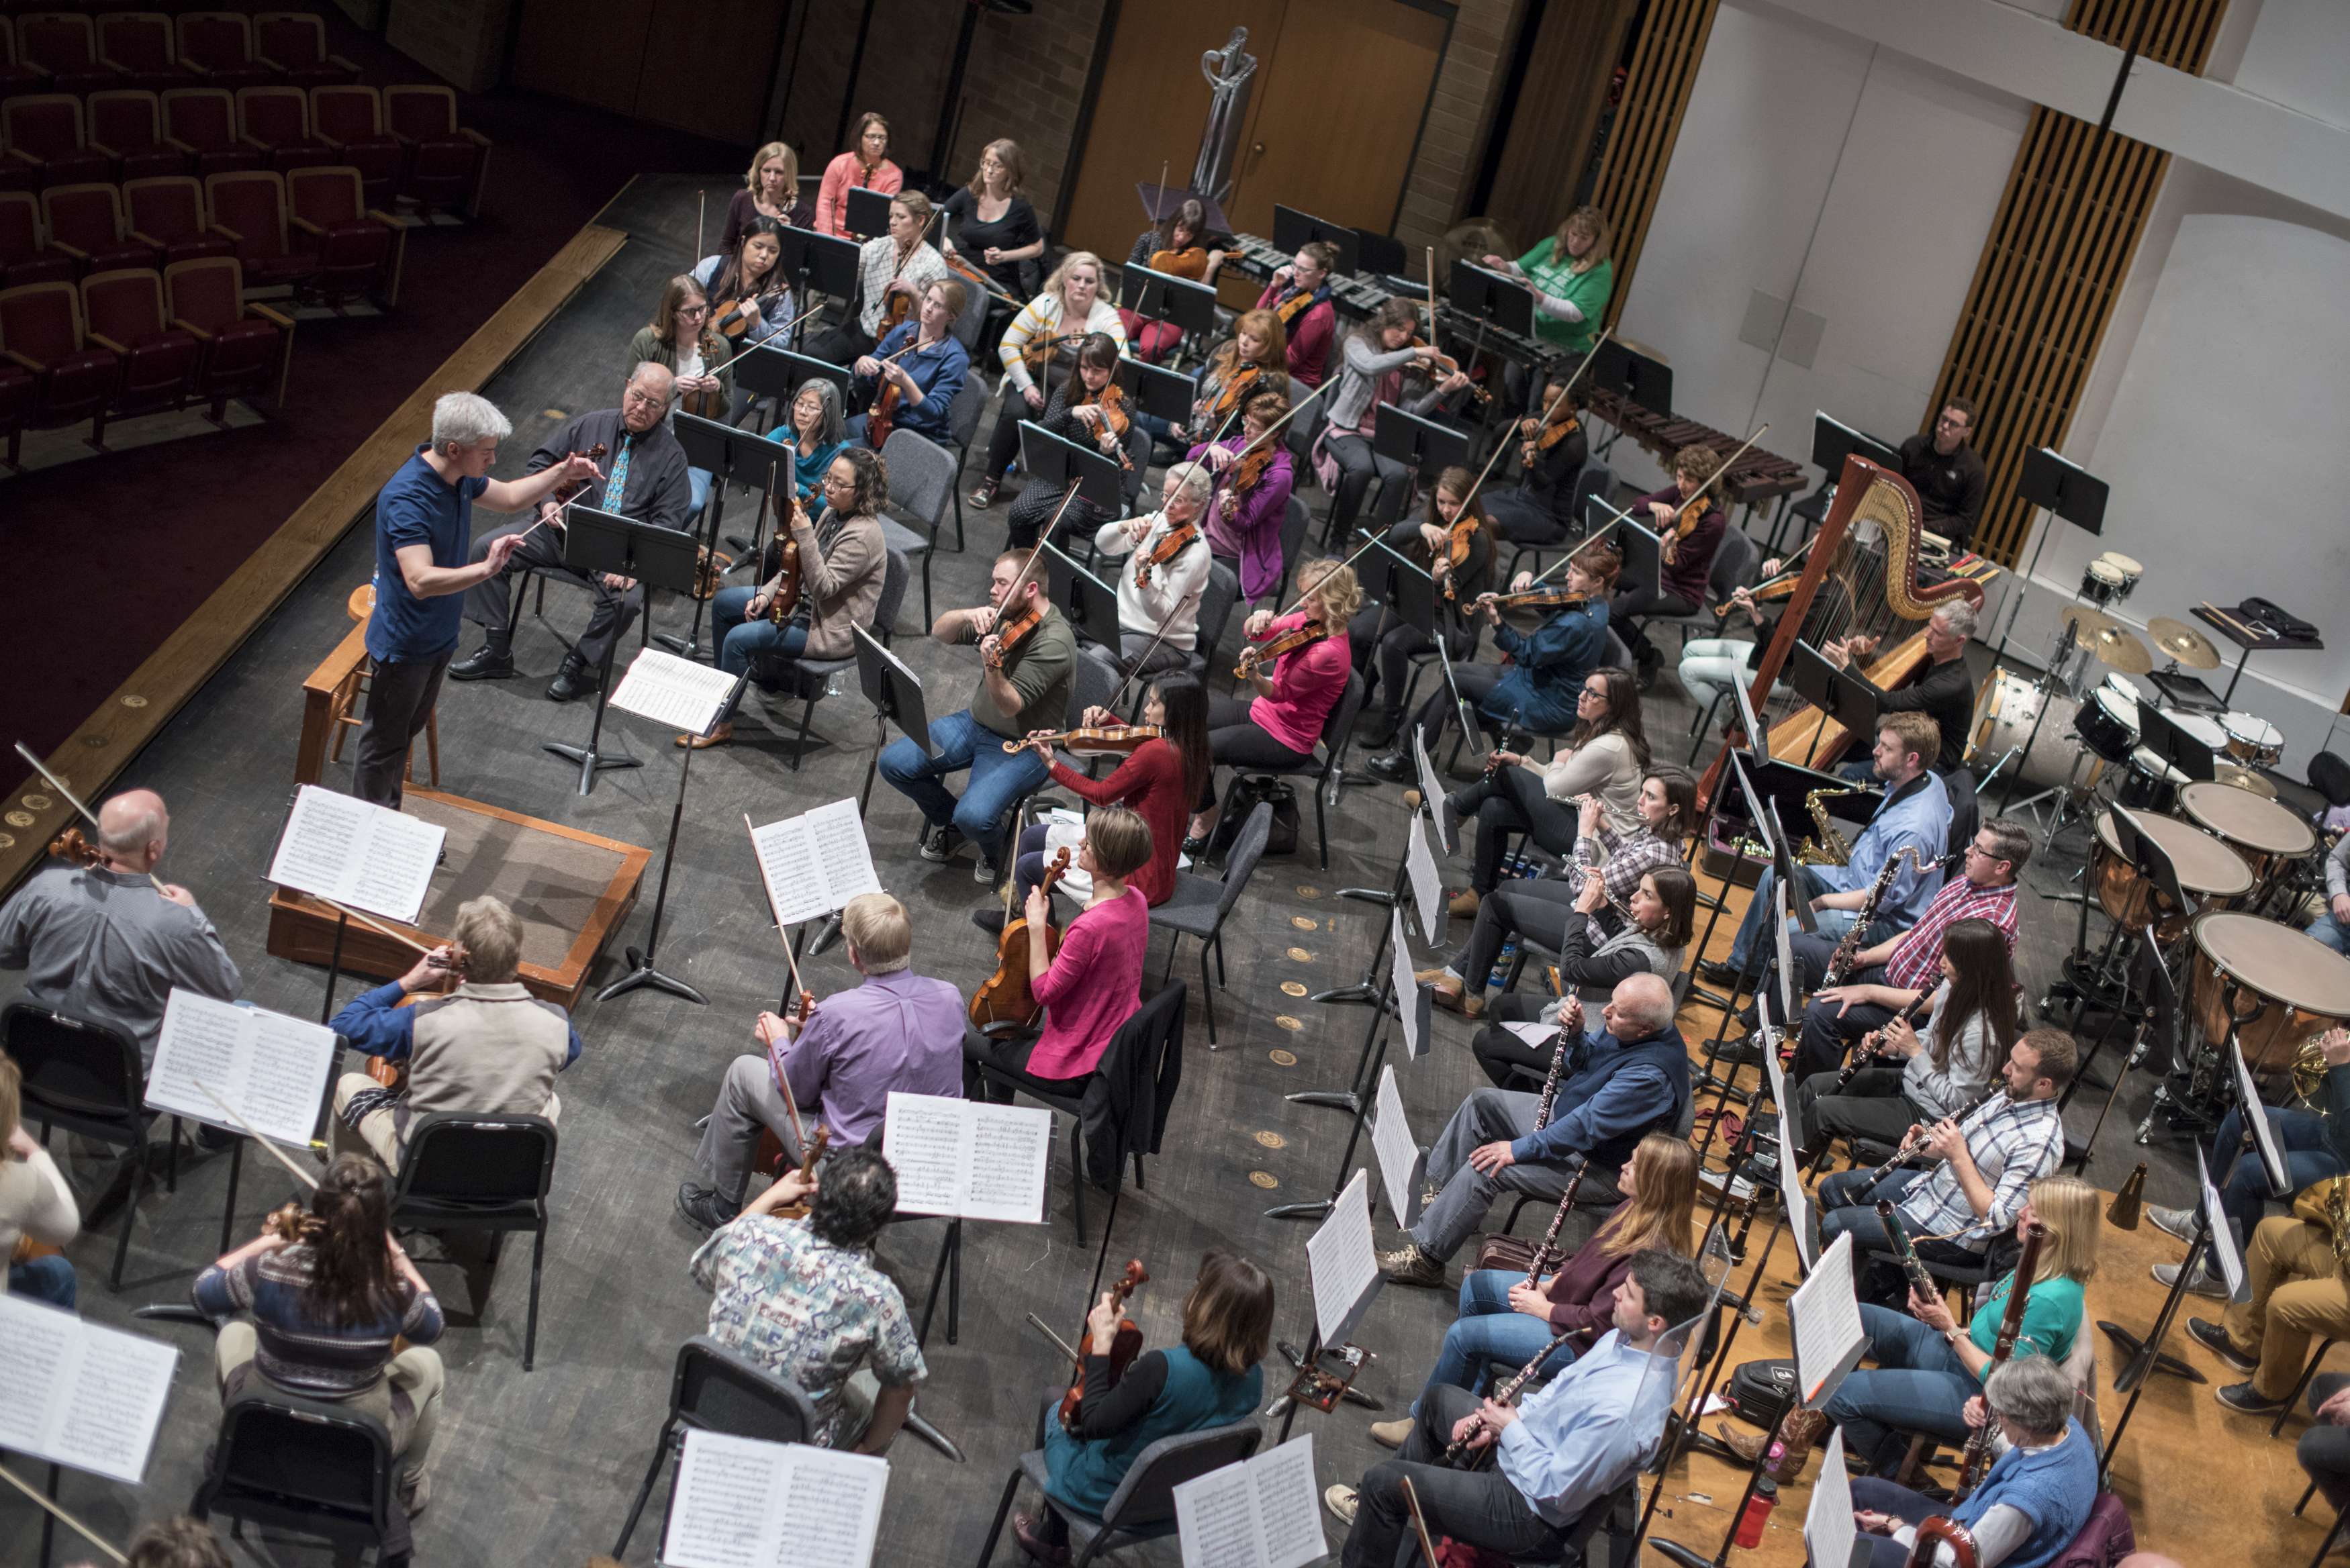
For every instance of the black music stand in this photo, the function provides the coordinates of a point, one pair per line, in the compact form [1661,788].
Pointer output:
[1090,604]
[1157,297]
[821,264]
[2162,735]
[1833,441]
[1161,203]
[865,212]
[1378,253]
[772,371]
[1293,229]
[1643,551]
[1492,297]
[1053,462]
[2065,489]
[731,456]
[658,557]
[1158,391]
[1617,367]
[896,693]
[1838,694]
[1422,445]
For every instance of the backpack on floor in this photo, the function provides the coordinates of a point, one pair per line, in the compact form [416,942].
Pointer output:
[1241,798]
[1758,1391]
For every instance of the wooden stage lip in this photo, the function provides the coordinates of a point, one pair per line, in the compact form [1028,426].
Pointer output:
[97,752]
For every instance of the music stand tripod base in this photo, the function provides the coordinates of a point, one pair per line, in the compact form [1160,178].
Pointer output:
[2133,1345]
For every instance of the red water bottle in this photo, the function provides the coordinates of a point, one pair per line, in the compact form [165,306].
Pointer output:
[1758,1509]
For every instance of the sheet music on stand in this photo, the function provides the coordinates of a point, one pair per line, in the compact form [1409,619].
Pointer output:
[369,856]
[1401,1159]
[2224,1248]
[1785,943]
[1261,1513]
[1432,791]
[812,864]
[1831,1535]
[1411,997]
[668,690]
[2271,1159]
[1426,881]
[1342,1263]
[1791,1171]
[1757,736]
[1825,1317]
[745,1502]
[269,1068]
[76,1393]
[967,1157]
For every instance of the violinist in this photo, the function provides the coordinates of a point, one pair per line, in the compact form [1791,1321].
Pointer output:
[1383,362]
[1160,779]
[832,584]
[990,222]
[489,1046]
[1210,1379]
[1158,598]
[1251,496]
[867,164]
[896,1031]
[1091,410]
[816,431]
[754,293]
[1179,246]
[1571,278]
[684,338]
[1039,351]
[924,361]
[1089,985]
[901,262]
[1710,666]
[1282,722]
[1299,297]
[1027,652]
[646,482]
[1691,533]
[771,189]
[97,942]
[1538,510]
[37,1205]
[1249,365]
[1454,543]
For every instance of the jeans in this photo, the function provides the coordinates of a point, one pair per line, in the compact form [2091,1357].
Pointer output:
[997,779]
[1487,1116]
[1827,1032]
[1488,1330]
[45,1279]
[1879,1495]
[2245,1189]
[698,483]
[1918,1385]
[2331,932]
[1480,1507]
[740,641]
[1847,1203]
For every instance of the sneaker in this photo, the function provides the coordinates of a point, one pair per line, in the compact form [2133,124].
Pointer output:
[982,496]
[1408,1266]
[704,1209]
[985,872]
[1392,1434]
[2244,1398]
[2179,1222]
[2214,1338]
[1464,904]
[2203,1284]
[1340,1500]
[939,844]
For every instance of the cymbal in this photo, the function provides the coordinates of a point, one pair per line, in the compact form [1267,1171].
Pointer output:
[2119,647]
[2182,642]
[2089,619]
[2243,778]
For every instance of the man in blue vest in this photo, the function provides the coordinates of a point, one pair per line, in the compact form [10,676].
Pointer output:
[1617,1084]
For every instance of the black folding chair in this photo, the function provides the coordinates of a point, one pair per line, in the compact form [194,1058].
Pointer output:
[715,1390]
[480,1172]
[304,1465]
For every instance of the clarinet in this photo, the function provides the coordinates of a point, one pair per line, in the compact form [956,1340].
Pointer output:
[1898,1237]
[1550,1237]
[1840,962]
[1910,1145]
[1868,1053]
[2010,1325]
[1506,1394]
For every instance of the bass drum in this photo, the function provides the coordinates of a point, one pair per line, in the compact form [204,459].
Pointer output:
[2009,705]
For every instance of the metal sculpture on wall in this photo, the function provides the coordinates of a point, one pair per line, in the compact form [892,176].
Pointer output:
[1228,71]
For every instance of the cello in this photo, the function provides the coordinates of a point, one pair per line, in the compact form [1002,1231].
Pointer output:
[1003,1002]
[1123,1347]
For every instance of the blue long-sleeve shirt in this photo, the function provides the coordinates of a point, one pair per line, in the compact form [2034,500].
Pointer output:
[1919,815]
[377,1026]
[940,370]
[775,312]
[1611,1099]
[1538,691]
[1583,1435]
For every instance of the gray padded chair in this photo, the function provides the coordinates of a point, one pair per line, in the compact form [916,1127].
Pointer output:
[1734,561]
[715,1389]
[1143,1506]
[1294,524]
[1198,906]
[809,678]
[922,486]
[1216,602]
[962,428]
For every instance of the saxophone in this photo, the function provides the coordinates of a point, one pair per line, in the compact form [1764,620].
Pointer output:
[1830,848]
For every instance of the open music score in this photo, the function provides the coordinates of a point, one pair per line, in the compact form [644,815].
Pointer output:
[1344,1264]
[743,1502]
[1412,999]
[1260,1512]
[1426,881]
[1401,1161]
[1825,1317]
[968,1159]
[78,1394]
[269,1068]
[812,864]
[672,691]
[1831,1535]
[369,856]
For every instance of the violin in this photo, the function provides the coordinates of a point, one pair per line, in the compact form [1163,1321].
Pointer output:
[1289,641]
[704,403]
[1116,421]
[1446,365]
[1123,1347]
[767,1156]
[596,454]
[971,275]
[1458,535]
[1012,630]
[1003,1002]
[1251,469]
[1540,598]
[1237,390]
[1038,352]
[1191,263]
[294,1222]
[1095,739]
[1171,544]
[815,1149]
[1549,436]
[392,1075]
[787,596]
[1778,588]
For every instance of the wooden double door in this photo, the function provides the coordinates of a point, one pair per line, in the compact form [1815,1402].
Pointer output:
[1334,111]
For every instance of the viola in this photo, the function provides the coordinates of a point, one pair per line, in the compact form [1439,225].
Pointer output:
[1541,598]
[1251,469]
[1116,421]
[1237,390]
[1191,263]
[787,596]
[1123,1347]
[1548,437]
[1012,630]
[1095,739]
[1290,641]
[1458,535]
[971,275]
[738,320]
[1446,365]
[74,849]
[705,404]
[1038,352]
[1003,1002]
[815,1149]
[767,1156]
[1171,544]
[596,453]
[392,1075]
[294,1222]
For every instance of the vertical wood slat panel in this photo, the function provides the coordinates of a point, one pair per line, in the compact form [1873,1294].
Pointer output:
[2061,293]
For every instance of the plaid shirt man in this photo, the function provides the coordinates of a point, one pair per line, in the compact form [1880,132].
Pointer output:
[1912,965]
[2013,1143]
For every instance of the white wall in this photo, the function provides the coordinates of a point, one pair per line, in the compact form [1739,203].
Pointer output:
[2299,56]
[1846,181]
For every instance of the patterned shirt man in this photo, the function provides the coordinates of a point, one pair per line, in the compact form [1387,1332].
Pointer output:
[809,1311]
[1912,966]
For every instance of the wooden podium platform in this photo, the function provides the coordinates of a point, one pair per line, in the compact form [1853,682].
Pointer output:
[573,890]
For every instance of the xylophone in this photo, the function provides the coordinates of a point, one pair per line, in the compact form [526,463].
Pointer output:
[1758,477]
[1257,257]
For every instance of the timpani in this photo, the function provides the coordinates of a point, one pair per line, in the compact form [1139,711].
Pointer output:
[2268,836]
[2275,986]
[2208,869]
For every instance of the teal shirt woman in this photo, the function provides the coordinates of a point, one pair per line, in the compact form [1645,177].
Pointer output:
[817,431]
[1210,1379]
[1572,279]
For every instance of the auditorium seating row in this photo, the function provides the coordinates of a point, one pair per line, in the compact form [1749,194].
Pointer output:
[58,50]
[310,230]
[134,340]
[404,141]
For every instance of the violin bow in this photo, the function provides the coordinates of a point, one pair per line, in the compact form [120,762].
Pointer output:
[1723,469]
[1548,410]
[376,926]
[1037,553]
[1156,639]
[1361,550]
[73,800]
[279,1154]
[752,347]
[67,1520]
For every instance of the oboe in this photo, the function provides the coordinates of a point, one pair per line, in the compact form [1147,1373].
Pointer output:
[1917,1139]
[1506,1394]
[1550,1237]
[1866,1053]
[1898,1237]
[1570,1023]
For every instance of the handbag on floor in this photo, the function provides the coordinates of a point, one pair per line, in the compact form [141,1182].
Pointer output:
[1241,797]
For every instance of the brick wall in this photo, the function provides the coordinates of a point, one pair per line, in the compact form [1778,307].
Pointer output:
[1460,111]
[460,41]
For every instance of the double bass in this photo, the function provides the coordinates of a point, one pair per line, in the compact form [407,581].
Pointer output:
[1004,1002]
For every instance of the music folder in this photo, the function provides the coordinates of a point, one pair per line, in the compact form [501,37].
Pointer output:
[826,263]
[1161,393]
[1090,604]
[1293,229]
[1420,444]
[1618,368]
[771,370]
[895,691]
[865,212]
[1160,296]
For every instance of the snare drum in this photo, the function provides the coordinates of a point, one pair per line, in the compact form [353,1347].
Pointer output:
[2009,704]
[2101,584]
[2108,722]
[2265,834]
[2253,739]
[2208,869]
[2128,570]
[2284,986]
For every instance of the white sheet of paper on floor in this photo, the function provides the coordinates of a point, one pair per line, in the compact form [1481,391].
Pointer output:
[1262,1513]
[1344,1264]
[1411,997]
[1830,1534]
[2223,1237]
[271,1069]
[1400,1160]
[369,856]
[78,1394]
[1426,882]
[671,691]
[1825,1317]
[743,1502]
[812,864]
[967,1157]
[1429,793]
